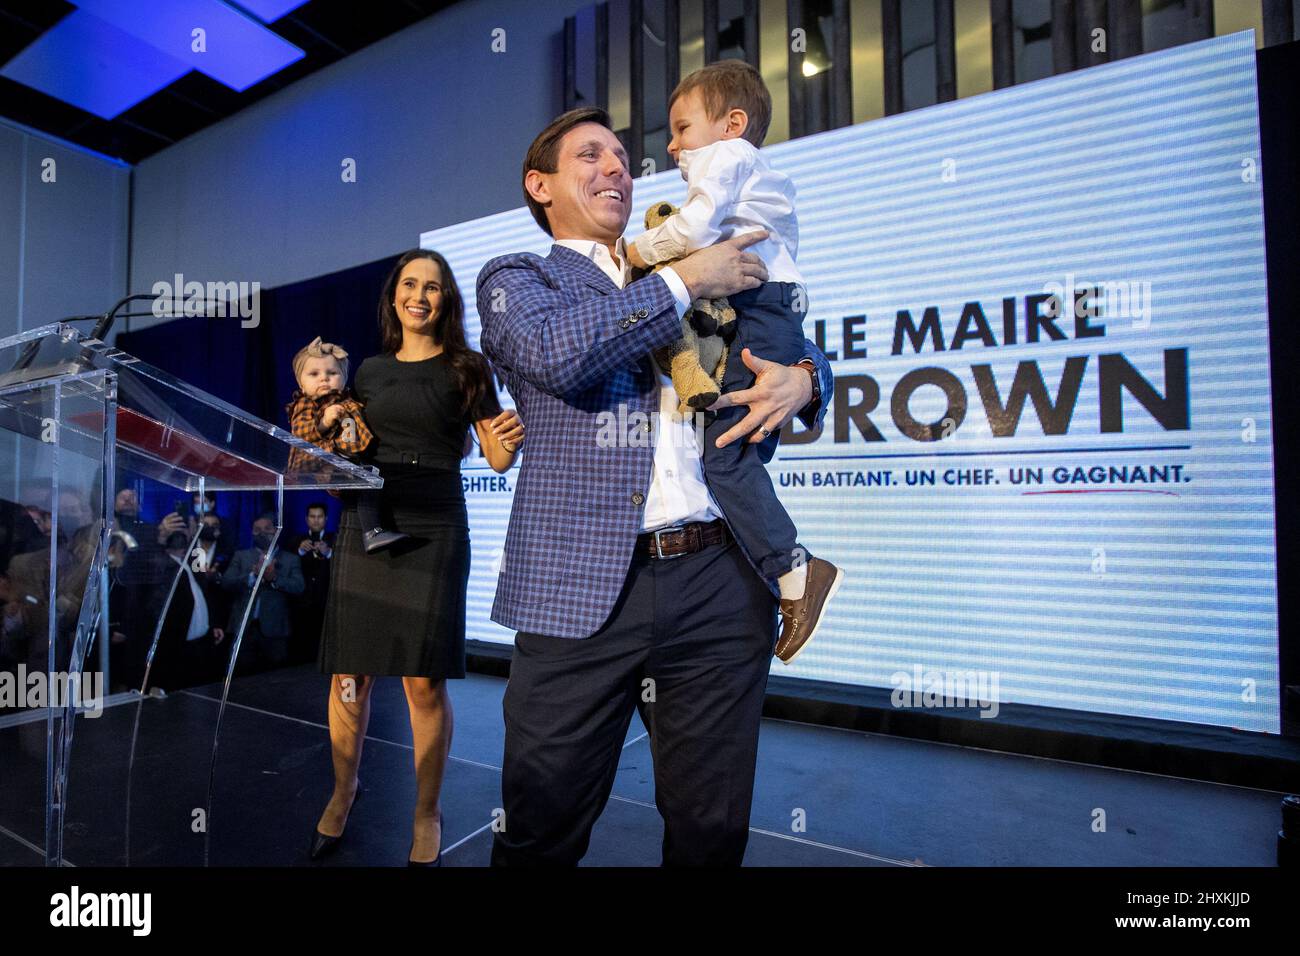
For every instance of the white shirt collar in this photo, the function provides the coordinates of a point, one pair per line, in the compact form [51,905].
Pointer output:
[599,254]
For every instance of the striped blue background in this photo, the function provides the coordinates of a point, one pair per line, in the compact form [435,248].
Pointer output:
[1127,172]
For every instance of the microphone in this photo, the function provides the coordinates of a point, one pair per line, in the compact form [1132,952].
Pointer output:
[103,323]
[106,322]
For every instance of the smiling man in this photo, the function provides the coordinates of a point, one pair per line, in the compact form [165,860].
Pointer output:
[619,573]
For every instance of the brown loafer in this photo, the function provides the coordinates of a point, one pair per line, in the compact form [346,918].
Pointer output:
[799,618]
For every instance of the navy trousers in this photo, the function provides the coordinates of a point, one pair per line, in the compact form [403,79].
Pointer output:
[689,644]
[769,327]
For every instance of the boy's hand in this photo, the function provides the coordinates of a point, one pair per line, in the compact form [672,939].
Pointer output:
[634,257]
[723,268]
[331,416]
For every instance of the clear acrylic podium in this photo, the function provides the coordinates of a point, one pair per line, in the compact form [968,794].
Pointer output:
[75,415]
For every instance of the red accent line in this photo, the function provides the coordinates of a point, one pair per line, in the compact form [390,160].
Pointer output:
[180,449]
[1104,491]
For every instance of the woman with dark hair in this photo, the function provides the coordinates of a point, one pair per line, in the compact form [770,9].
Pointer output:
[401,611]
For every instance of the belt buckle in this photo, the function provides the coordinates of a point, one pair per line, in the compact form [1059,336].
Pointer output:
[659,546]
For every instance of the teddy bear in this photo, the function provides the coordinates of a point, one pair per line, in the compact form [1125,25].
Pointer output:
[697,360]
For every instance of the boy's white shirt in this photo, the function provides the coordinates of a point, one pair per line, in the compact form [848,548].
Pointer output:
[731,190]
[677,493]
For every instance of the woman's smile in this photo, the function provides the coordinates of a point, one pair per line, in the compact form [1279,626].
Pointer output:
[418,296]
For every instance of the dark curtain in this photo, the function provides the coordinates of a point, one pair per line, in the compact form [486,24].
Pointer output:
[252,369]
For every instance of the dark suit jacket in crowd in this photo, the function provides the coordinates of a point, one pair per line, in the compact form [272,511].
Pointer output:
[274,615]
[179,662]
[315,568]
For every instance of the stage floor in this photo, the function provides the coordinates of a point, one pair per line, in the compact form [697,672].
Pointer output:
[867,799]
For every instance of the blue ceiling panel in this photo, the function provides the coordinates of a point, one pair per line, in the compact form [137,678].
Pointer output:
[269,10]
[236,49]
[122,77]
[93,65]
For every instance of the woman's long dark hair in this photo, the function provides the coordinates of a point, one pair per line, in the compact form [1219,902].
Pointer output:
[472,372]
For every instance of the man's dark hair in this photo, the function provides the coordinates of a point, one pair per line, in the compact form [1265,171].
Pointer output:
[266,516]
[544,154]
[317,504]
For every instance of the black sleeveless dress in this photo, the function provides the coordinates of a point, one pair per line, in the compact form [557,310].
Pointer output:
[401,611]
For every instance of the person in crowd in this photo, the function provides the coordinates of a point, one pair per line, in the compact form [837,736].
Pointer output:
[266,638]
[26,610]
[19,532]
[192,633]
[203,504]
[126,512]
[213,559]
[12,644]
[35,500]
[139,595]
[226,537]
[210,567]
[315,548]
[401,611]
[24,600]
[19,535]
[130,590]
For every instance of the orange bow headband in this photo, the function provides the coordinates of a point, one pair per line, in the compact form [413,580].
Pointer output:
[319,349]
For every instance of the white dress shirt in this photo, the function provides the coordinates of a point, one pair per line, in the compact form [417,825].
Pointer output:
[677,494]
[731,190]
[199,616]
[209,551]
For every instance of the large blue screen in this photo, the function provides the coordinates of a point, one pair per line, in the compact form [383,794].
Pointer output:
[1047,466]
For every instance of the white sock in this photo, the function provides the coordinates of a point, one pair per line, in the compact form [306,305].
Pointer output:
[792,583]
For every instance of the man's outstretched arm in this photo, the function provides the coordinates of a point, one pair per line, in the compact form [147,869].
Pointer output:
[559,346]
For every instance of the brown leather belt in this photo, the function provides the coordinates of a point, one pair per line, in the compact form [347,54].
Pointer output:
[683,539]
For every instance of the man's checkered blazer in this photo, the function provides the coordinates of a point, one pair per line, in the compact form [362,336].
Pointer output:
[575,353]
